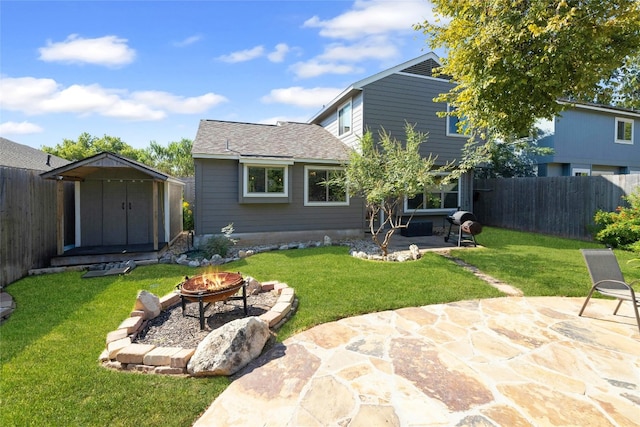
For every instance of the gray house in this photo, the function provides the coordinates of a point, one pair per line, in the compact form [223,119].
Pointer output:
[592,139]
[123,210]
[390,99]
[267,181]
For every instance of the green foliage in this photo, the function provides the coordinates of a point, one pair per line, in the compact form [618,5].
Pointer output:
[501,159]
[187,217]
[174,159]
[87,146]
[512,60]
[220,243]
[621,229]
[384,172]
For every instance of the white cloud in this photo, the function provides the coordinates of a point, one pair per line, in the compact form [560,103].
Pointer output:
[110,51]
[279,53]
[302,97]
[22,128]
[188,41]
[370,17]
[315,68]
[178,104]
[34,96]
[243,55]
[379,48]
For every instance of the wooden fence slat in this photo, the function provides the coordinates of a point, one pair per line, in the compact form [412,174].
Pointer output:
[561,206]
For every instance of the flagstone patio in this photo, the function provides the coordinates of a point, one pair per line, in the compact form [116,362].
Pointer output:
[512,361]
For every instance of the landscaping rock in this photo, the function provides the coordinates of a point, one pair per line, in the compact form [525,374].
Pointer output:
[253,286]
[149,303]
[415,252]
[229,348]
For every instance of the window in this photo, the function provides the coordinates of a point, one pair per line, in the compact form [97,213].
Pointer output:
[452,123]
[624,131]
[265,181]
[580,172]
[318,193]
[438,197]
[344,119]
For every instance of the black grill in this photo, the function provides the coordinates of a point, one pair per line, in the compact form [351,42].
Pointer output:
[467,227]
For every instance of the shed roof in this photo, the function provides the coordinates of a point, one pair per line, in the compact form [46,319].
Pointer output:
[77,171]
[15,155]
[286,140]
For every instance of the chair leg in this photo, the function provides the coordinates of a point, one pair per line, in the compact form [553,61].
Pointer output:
[617,307]
[635,307]
[586,301]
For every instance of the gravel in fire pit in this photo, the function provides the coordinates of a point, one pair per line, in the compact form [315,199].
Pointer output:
[172,329]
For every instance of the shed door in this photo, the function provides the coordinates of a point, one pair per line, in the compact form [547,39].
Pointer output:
[114,213]
[139,212]
[127,212]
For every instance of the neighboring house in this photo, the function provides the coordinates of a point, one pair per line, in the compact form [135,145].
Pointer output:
[266,180]
[123,210]
[21,156]
[390,99]
[591,139]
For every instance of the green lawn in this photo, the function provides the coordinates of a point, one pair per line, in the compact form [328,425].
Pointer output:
[49,347]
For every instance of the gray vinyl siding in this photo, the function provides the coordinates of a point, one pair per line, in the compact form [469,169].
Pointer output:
[218,204]
[330,121]
[397,99]
[586,137]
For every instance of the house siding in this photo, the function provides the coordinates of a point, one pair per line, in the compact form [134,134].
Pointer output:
[586,139]
[398,99]
[218,184]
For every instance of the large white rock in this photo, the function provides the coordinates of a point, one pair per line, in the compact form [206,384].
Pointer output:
[149,303]
[229,348]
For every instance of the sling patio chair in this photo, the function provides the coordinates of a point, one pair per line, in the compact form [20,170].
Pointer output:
[607,279]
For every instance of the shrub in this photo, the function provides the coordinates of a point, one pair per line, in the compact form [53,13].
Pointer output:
[220,244]
[621,229]
[187,217]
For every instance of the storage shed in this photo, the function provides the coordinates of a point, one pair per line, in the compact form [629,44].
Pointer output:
[123,210]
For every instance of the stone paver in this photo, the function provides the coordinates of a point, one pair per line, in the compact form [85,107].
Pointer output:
[510,361]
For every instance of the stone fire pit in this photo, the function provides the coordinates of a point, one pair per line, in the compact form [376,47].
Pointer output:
[124,353]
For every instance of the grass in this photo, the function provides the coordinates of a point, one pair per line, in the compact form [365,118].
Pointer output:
[49,347]
[539,265]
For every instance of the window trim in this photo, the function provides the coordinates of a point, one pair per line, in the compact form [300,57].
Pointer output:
[245,179]
[448,133]
[349,103]
[306,186]
[615,130]
[435,210]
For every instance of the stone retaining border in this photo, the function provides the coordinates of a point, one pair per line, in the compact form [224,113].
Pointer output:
[122,353]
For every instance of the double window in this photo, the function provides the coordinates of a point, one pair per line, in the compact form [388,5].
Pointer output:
[439,196]
[344,119]
[265,180]
[319,191]
[624,131]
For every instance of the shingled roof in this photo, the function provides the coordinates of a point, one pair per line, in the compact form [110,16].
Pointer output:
[287,140]
[21,156]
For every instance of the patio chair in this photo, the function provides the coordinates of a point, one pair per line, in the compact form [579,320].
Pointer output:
[607,279]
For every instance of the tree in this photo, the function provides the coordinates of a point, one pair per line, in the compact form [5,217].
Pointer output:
[384,173]
[500,159]
[512,60]
[175,159]
[87,146]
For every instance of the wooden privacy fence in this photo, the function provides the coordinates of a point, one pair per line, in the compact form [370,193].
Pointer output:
[27,222]
[561,206]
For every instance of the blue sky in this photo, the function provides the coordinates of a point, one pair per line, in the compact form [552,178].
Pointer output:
[150,70]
